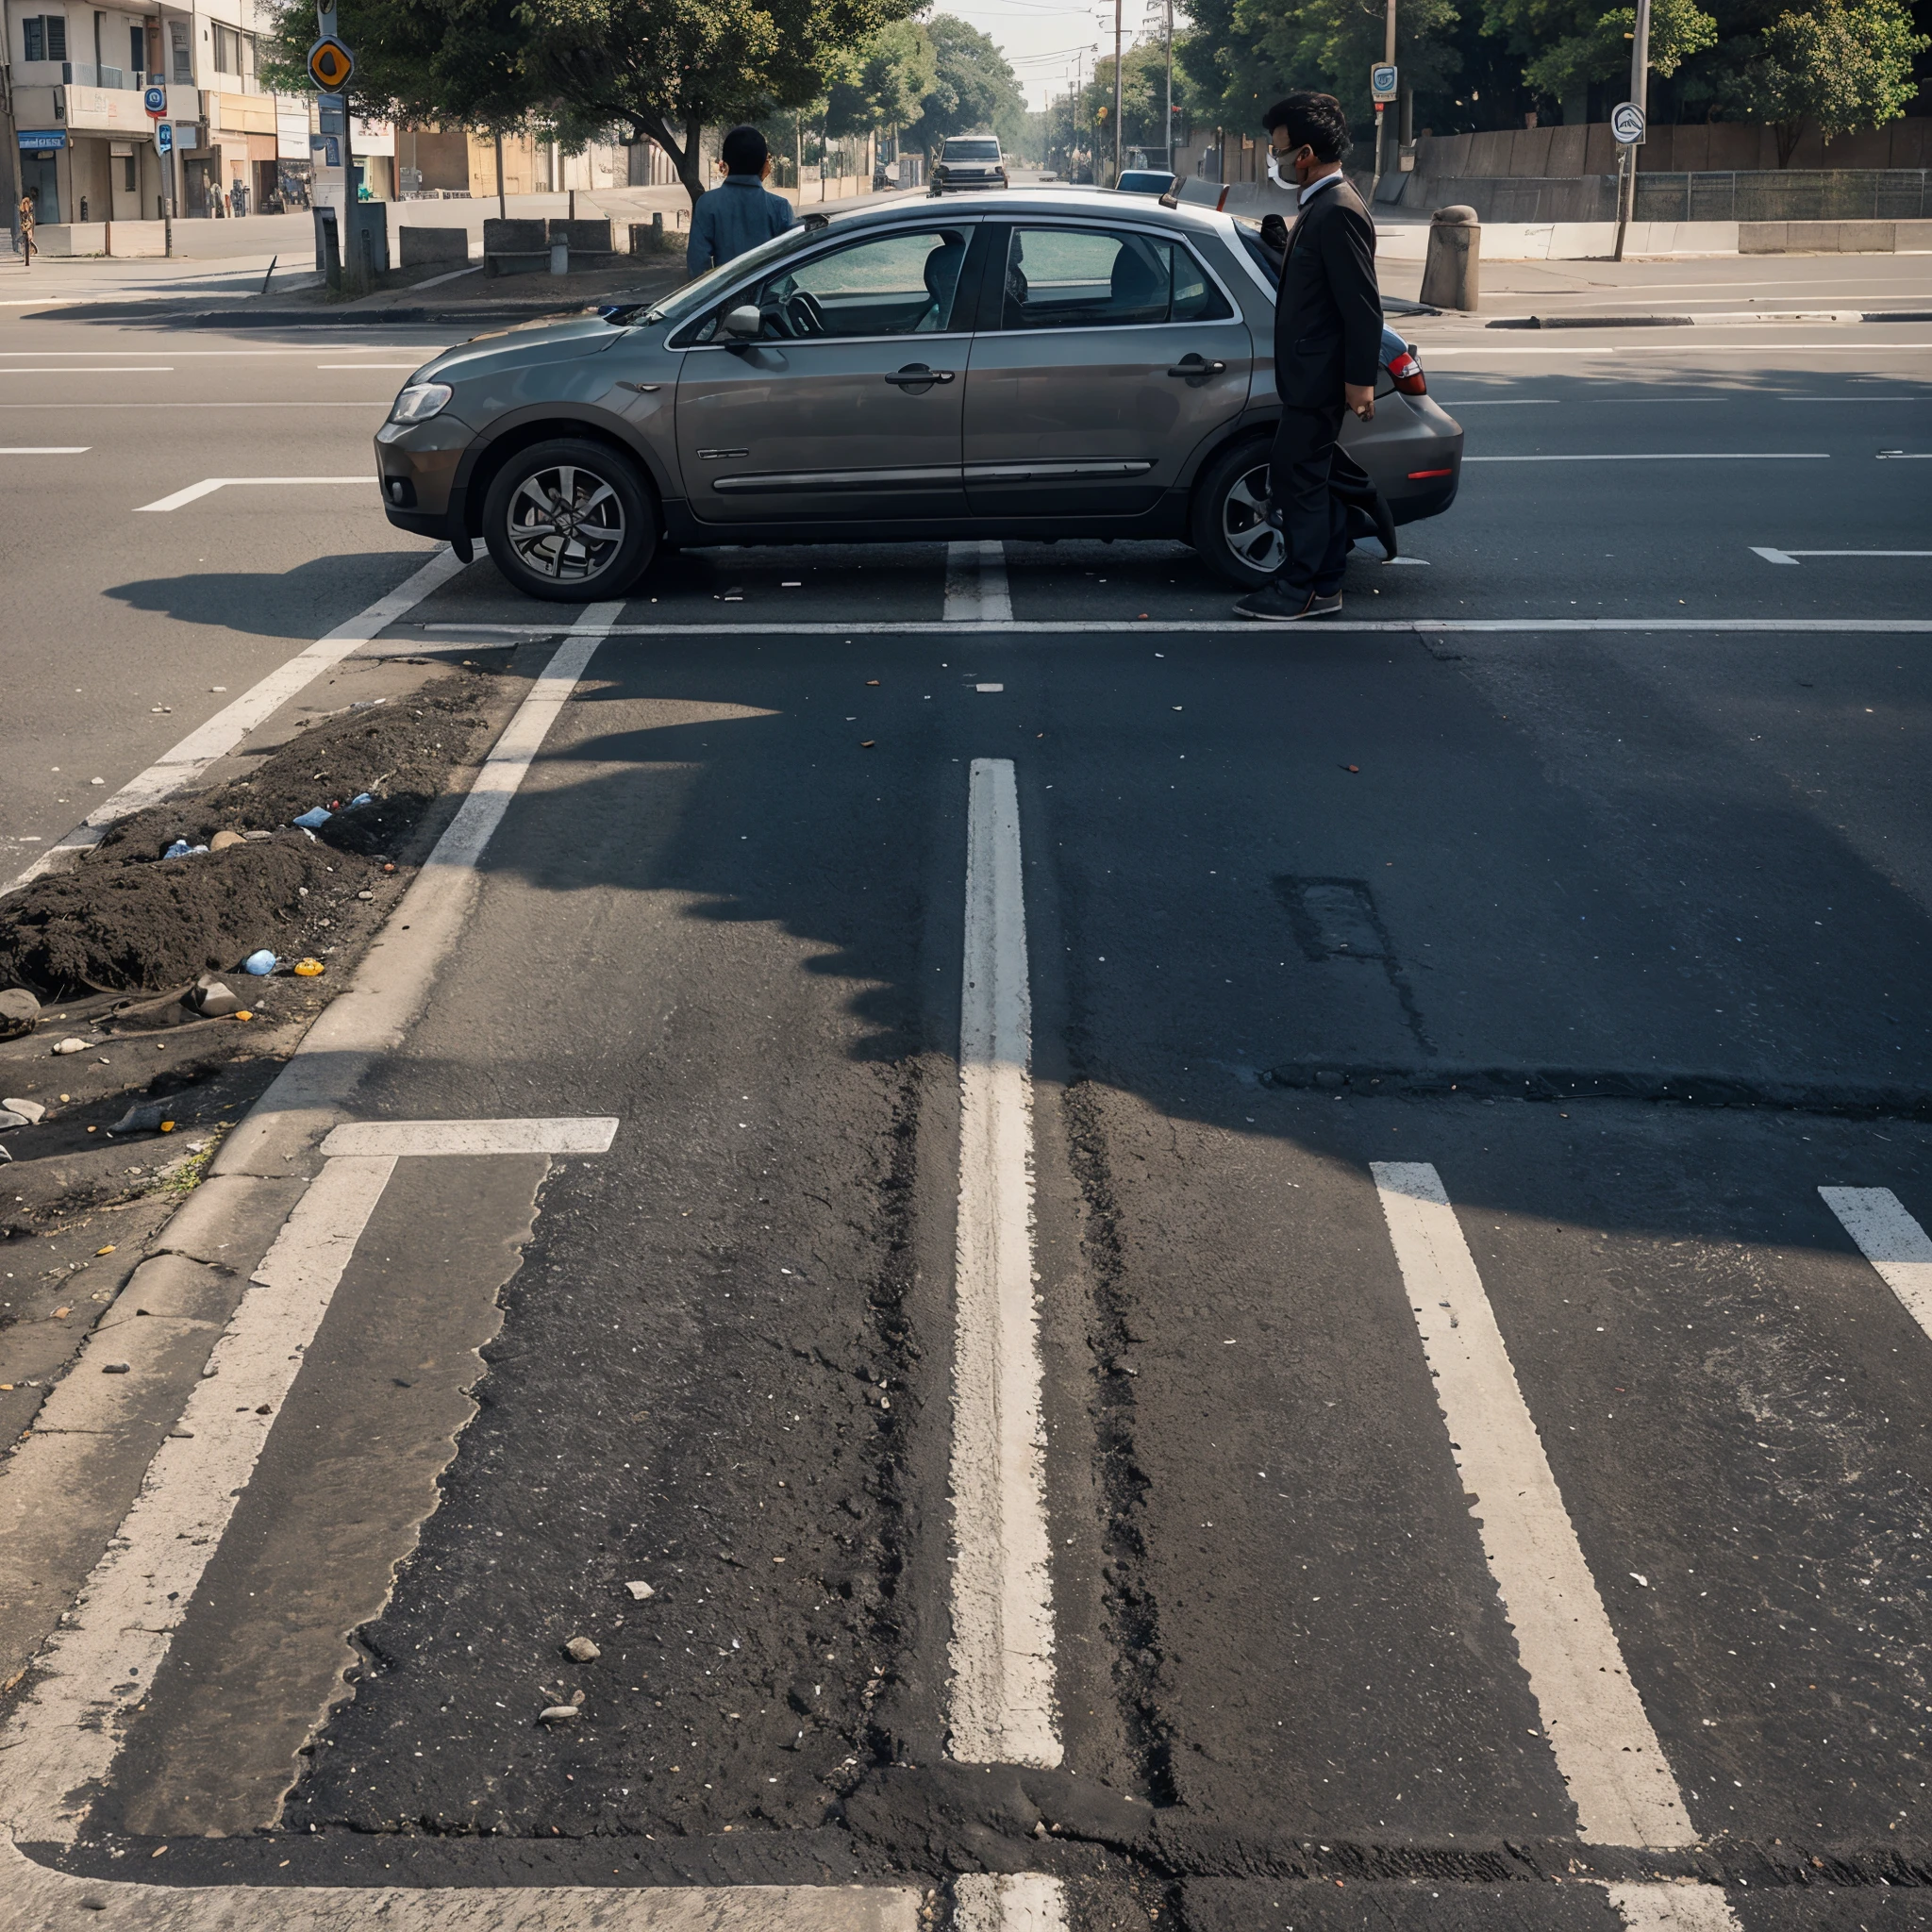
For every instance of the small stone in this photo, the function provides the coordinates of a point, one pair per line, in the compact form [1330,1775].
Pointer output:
[213,1000]
[28,1109]
[145,1118]
[20,1013]
[70,1045]
[558,1714]
[365,895]
[583,1650]
[639,1591]
[221,841]
[113,1368]
[9,1119]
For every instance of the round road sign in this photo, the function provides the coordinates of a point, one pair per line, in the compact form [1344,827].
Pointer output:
[1626,122]
[331,64]
[154,100]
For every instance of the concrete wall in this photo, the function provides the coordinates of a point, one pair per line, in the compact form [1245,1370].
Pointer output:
[1671,149]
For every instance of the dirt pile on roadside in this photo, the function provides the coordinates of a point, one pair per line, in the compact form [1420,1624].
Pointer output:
[125,919]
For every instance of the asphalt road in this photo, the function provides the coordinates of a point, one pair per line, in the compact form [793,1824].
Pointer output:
[1436,1496]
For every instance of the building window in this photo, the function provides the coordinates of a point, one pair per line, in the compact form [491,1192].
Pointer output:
[45,36]
[130,177]
[137,48]
[184,53]
[234,55]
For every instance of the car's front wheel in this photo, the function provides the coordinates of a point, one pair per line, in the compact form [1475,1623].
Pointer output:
[570,520]
[1230,527]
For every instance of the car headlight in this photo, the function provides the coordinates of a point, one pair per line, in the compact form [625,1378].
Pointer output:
[419,401]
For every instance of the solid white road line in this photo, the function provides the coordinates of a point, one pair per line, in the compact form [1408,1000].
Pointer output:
[1771,556]
[101,369]
[55,449]
[1101,626]
[1672,1908]
[976,588]
[65,1734]
[371,365]
[1678,455]
[1892,1240]
[1014,1902]
[210,485]
[221,733]
[1623,1788]
[1002,1644]
[391,986]
[583,1134]
[43,1898]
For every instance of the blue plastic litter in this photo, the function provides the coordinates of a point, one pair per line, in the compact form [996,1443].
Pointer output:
[361,798]
[260,964]
[182,849]
[318,815]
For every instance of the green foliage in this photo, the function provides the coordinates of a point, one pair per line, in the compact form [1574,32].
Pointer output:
[973,90]
[1677,30]
[1837,68]
[884,81]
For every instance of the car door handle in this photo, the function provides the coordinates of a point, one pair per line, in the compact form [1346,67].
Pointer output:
[916,375]
[1194,368]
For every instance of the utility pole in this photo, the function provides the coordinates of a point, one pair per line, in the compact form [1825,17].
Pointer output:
[1117,90]
[1381,106]
[1168,36]
[1640,90]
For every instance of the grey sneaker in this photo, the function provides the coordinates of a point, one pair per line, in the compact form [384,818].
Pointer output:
[1275,602]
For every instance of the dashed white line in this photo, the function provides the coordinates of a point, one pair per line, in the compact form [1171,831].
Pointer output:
[1103,626]
[1008,1902]
[1675,455]
[1619,1780]
[50,449]
[976,588]
[576,1134]
[1771,556]
[209,485]
[1892,1240]
[1001,1654]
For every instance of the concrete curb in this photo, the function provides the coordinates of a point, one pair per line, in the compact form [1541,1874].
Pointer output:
[1730,318]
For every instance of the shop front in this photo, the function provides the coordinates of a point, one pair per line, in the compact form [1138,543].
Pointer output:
[42,150]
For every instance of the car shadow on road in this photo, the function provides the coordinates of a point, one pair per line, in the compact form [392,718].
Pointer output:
[307,602]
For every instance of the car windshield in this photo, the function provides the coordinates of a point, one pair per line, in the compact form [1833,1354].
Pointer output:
[1144,181]
[972,151]
[693,296]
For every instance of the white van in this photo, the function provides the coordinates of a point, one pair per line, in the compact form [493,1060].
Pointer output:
[968,160]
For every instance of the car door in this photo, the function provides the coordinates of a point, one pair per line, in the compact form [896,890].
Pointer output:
[1105,355]
[847,405]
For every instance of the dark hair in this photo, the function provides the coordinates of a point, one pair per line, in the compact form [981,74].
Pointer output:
[1312,120]
[745,151]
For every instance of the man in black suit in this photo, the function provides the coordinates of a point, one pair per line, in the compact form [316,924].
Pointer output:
[1327,347]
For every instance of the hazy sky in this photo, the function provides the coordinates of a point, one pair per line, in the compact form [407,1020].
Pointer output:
[1046,39]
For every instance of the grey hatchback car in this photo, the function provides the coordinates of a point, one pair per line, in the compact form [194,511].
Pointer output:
[1062,363]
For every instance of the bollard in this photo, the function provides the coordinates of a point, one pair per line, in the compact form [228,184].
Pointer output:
[1451,275]
[559,258]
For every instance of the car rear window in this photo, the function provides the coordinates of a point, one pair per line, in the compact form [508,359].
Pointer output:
[1103,277]
[972,151]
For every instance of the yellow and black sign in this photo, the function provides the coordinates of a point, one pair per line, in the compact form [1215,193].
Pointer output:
[331,64]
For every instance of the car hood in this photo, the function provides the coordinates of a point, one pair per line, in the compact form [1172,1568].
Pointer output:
[526,345]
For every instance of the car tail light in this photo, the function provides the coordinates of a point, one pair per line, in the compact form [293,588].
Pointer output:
[1422,475]
[1406,374]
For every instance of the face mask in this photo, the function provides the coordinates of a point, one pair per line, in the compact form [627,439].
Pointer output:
[1274,168]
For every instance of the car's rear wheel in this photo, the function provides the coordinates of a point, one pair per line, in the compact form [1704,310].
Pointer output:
[570,520]
[1230,527]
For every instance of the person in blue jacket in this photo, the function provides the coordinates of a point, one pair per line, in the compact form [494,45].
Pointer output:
[730,219]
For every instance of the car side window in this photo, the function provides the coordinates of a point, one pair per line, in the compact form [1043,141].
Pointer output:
[1100,278]
[891,285]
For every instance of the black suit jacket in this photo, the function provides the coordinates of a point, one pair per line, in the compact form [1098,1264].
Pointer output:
[1327,311]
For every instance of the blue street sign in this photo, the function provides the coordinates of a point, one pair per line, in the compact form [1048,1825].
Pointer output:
[154,100]
[42,140]
[164,138]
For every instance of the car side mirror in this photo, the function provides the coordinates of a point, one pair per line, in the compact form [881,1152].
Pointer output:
[742,323]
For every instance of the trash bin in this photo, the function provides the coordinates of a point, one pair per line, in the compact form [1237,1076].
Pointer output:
[1452,271]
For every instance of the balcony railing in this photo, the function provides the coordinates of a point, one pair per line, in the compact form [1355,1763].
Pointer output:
[75,74]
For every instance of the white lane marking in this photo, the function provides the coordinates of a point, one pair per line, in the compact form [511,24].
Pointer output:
[1677,455]
[1672,1908]
[454,275]
[1859,345]
[1905,456]
[221,733]
[1619,1779]
[1792,556]
[976,588]
[1008,1902]
[1001,1653]
[208,486]
[1073,627]
[370,365]
[988,687]
[1892,1240]
[1497,402]
[52,449]
[101,369]
[66,1733]
[46,1898]
[375,1012]
[228,355]
[580,1134]
[1854,399]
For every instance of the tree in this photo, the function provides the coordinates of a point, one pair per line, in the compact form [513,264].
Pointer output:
[973,89]
[1677,30]
[1143,97]
[884,81]
[1837,68]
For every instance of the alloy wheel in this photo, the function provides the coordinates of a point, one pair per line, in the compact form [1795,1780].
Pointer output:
[564,523]
[1244,523]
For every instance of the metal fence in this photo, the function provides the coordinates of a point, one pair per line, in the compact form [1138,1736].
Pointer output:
[1793,194]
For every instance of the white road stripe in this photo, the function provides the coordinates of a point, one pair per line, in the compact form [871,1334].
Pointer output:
[1691,352]
[1101,626]
[55,449]
[210,484]
[1619,1780]
[580,1134]
[66,1733]
[1011,1902]
[1677,455]
[101,369]
[1771,556]
[976,588]
[1892,1240]
[1002,1644]
[1672,1908]
[221,733]
[371,365]
[1792,556]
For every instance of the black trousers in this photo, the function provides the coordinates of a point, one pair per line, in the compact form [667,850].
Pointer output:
[1315,520]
